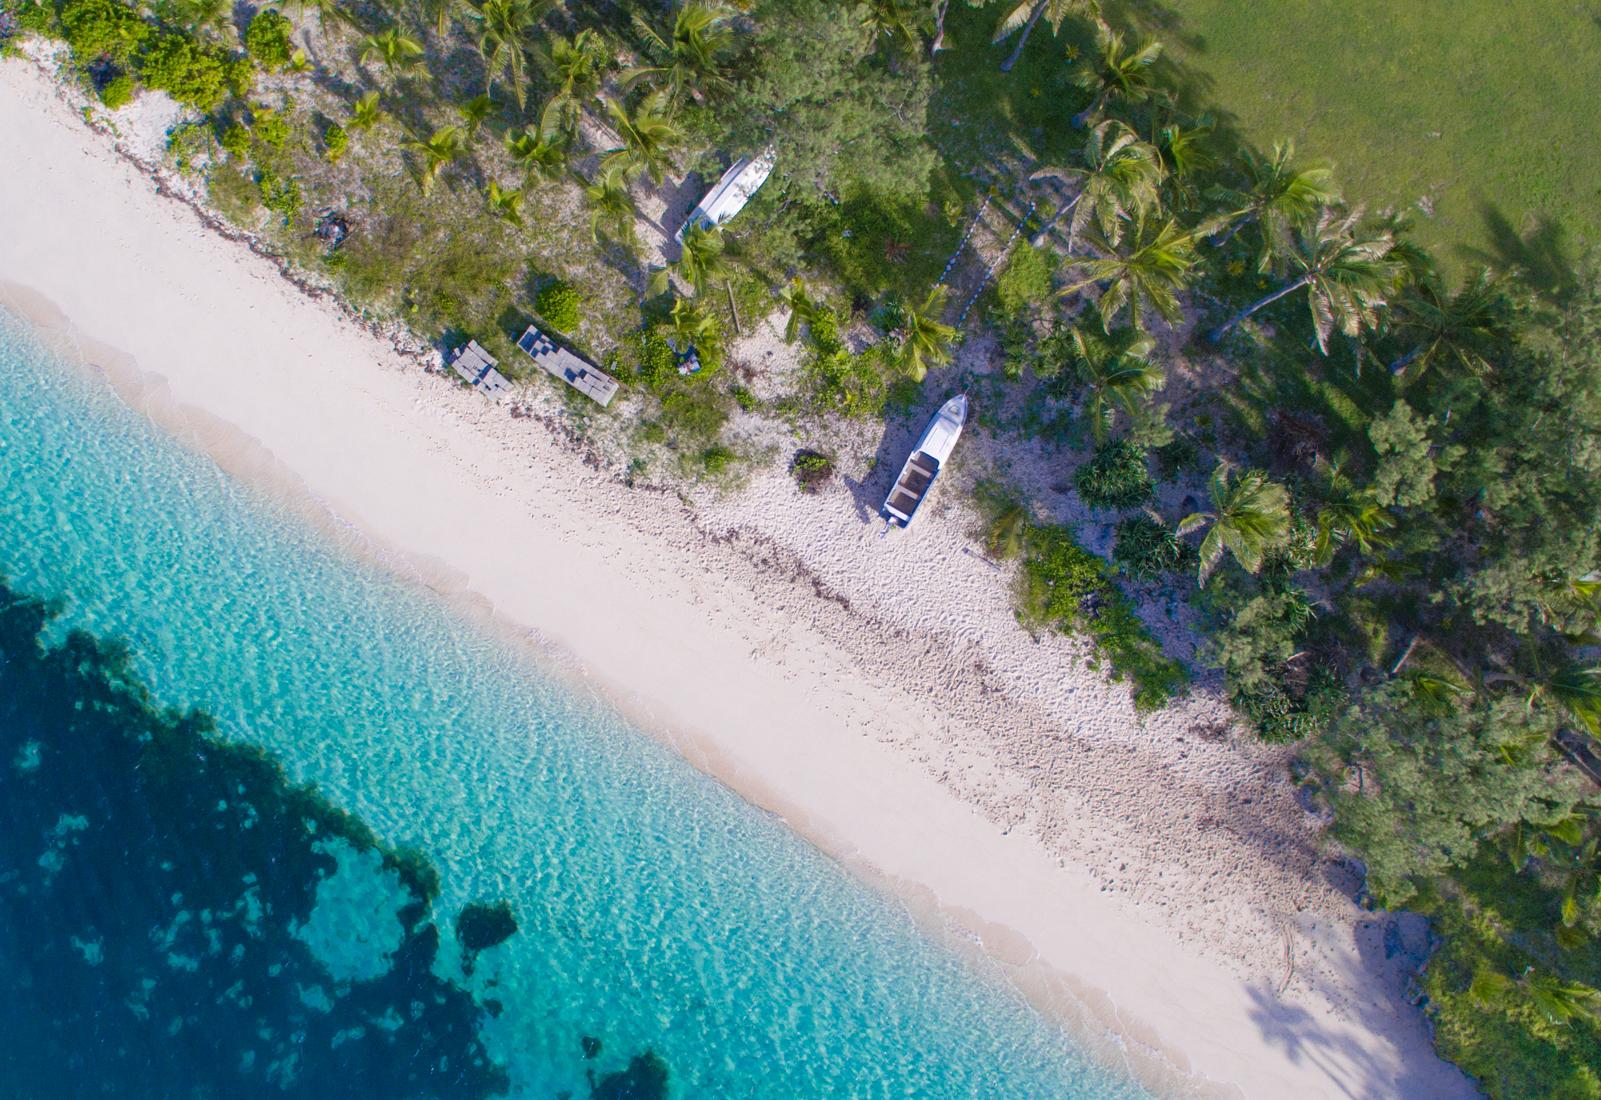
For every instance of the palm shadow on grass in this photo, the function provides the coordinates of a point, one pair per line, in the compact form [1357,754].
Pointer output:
[1541,252]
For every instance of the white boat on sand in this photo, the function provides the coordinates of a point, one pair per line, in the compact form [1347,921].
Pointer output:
[927,459]
[742,180]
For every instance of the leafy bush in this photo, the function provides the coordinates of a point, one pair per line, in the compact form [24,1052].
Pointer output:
[335,141]
[851,384]
[188,143]
[193,74]
[272,128]
[236,141]
[1146,549]
[812,469]
[560,305]
[1025,280]
[97,29]
[35,18]
[279,194]
[657,364]
[717,458]
[744,398]
[267,40]
[1116,477]
[239,75]
[117,92]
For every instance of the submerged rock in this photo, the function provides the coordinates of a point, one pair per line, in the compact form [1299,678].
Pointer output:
[482,925]
[644,1079]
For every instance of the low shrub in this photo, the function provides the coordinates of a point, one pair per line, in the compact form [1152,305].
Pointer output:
[1025,280]
[1117,477]
[267,40]
[335,140]
[271,128]
[189,144]
[657,364]
[812,470]
[236,141]
[279,194]
[560,305]
[716,459]
[1069,588]
[117,92]
[744,398]
[1146,549]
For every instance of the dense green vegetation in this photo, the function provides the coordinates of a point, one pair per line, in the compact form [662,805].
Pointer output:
[1371,472]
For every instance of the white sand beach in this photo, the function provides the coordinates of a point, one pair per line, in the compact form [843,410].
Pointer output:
[1156,877]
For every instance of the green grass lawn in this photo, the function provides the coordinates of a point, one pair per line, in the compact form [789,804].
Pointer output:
[1483,110]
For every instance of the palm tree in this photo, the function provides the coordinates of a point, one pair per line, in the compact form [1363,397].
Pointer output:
[1158,264]
[1185,157]
[440,148]
[1115,74]
[898,20]
[1556,1000]
[689,58]
[577,66]
[648,136]
[539,155]
[1277,197]
[1249,514]
[1576,689]
[925,340]
[439,12]
[1462,331]
[505,32]
[611,211]
[505,203]
[1025,15]
[475,112]
[365,113]
[803,309]
[693,327]
[1117,369]
[1120,180]
[1347,277]
[699,263]
[327,11]
[397,50]
[208,17]
[1350,514]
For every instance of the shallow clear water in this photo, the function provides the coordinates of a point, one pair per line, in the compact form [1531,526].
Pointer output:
[655,910]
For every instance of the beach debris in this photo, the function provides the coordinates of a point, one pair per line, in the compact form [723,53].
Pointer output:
[688,359]
[332,228]
[577,372]
[742,180]
[477,368]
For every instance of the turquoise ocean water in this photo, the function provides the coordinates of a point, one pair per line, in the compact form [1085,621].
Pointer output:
[654,910]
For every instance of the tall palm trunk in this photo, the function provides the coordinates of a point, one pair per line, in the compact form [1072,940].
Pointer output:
[1033,20]
[1218,333]
[1407,360]
[938,43]
[1037,239]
